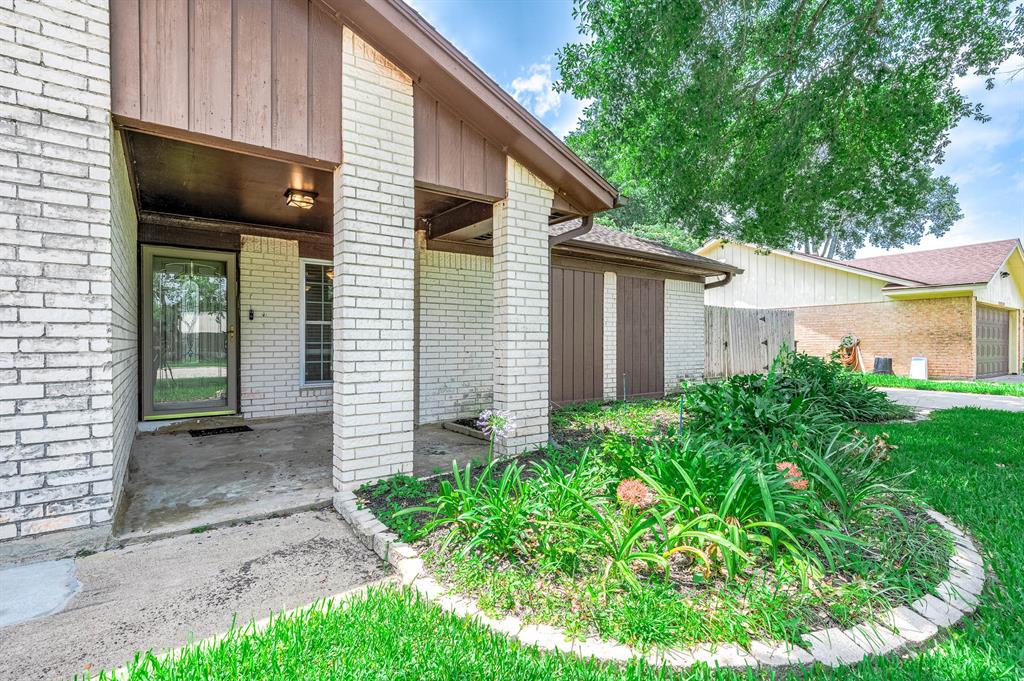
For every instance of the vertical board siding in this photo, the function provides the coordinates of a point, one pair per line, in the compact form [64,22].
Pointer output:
[640,341]
[576,367]
[164,55]
[742,341]
[452,154]
[125,79]
[290,107]
[325,91]
[210,100]
[252,69]
[260,72]
[776,280]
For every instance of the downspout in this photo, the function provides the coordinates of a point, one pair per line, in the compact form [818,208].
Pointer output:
[586,226]
[720,282]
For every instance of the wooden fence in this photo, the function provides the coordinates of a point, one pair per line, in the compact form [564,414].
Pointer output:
[743,341]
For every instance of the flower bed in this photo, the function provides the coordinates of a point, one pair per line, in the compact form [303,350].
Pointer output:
[766,518]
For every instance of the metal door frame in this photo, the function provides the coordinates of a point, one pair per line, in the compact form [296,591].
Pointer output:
[146,375]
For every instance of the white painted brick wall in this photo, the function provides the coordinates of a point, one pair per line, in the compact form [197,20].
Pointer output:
[374,260]
[271,381]
[521,271]
[684,332]
[57,348]
[456,342]
[611,311]
[125,328]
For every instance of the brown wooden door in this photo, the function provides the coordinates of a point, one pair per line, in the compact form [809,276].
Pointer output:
[576,349]
[993,342]
[640,344]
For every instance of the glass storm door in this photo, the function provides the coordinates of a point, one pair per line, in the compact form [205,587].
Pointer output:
[189,317]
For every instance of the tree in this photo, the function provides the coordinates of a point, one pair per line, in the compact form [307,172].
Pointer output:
[786,122]
[843,238]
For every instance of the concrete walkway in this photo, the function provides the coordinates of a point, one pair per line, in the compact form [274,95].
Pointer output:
[936,399]
[165,593]
[177,482]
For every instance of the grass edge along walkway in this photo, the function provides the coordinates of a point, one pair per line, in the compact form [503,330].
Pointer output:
[971,387]
[385,633]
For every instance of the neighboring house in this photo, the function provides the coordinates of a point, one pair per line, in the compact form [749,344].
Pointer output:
[960,307]
[288,207]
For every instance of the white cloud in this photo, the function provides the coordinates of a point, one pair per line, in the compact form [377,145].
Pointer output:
[536,90]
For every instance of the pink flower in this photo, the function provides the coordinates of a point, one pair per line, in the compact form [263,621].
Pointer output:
[633,492]
[796,481]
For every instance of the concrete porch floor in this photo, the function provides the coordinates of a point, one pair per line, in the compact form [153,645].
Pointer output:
[177,482]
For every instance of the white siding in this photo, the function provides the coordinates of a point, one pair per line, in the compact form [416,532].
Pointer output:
[1004,292]
[774,280]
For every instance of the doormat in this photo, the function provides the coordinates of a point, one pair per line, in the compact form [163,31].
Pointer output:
[203,432]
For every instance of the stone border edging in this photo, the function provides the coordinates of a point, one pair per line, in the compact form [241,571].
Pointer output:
[898,628]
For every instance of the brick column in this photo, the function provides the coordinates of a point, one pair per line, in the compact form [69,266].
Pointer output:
[611,330]
[373,270]
[684,332]
[61,347]
[521,267]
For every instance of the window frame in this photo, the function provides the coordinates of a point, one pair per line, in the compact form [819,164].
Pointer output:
[303,383]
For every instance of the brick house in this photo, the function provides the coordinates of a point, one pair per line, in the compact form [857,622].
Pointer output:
[283,207]
[960,307]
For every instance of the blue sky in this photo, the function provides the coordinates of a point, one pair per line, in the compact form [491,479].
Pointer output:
[515,42]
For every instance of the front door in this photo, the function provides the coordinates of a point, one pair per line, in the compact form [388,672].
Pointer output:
[189,316]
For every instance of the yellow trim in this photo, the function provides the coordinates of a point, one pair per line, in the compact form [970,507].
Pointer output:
[190,415]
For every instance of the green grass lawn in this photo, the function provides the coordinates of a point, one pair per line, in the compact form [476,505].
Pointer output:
[966,463]
[978,387]
[191,389]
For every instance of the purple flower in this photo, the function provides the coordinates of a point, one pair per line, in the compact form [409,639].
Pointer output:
[496,423]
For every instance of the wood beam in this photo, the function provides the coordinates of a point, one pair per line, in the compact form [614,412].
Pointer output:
[454,219]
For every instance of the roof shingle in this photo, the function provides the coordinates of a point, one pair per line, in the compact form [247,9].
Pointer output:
[600,236]
[970,264]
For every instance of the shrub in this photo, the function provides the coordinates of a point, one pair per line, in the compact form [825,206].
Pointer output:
[766,478]
[802,400]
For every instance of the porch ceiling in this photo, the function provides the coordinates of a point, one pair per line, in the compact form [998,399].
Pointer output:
[182,178]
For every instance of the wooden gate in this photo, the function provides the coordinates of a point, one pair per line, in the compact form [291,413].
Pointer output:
[744,341]
[576,348]
[640,342]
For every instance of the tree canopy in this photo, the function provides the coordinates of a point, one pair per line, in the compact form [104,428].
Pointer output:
[786,123]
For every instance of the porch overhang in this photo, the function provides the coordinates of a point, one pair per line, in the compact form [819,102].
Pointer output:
[436,65]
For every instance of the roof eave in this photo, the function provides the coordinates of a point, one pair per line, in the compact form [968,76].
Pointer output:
[421,51]
[943,291]
[815,260]
[709,269]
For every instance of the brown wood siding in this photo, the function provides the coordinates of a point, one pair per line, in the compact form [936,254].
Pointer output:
[640,339]
[576,349]
[260,72]
[452,155]
[993,342]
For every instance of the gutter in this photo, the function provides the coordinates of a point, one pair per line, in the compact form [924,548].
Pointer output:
[709,265]
[585,226]
[721,282]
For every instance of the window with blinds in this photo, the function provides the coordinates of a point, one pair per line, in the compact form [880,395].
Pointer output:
[318,289]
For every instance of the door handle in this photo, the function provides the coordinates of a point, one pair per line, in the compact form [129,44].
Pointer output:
[231,332]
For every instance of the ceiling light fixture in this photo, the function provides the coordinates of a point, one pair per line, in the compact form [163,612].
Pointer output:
[300,198]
